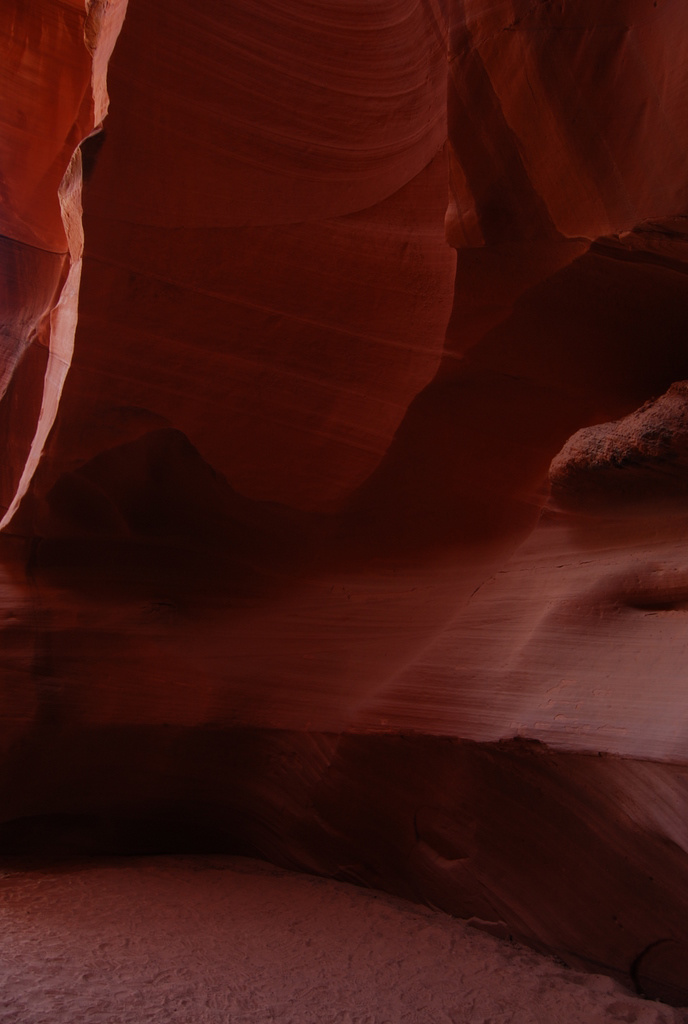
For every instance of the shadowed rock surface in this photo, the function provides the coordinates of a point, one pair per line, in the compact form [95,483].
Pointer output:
[344,428]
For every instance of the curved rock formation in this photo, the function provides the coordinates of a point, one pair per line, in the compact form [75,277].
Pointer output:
[564,119]
[56,57]
[288,577]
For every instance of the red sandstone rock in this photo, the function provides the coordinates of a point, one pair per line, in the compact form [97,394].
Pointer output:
[55,62]
[565,120]
[641,457]
[298,473]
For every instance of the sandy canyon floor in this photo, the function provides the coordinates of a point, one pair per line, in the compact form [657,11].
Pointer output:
[226,940]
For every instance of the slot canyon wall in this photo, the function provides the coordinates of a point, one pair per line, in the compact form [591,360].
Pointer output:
[345,433]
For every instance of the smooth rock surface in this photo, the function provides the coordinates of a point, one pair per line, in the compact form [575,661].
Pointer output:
[343,521]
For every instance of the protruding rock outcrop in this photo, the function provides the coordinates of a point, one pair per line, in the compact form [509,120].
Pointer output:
[641,458]
[288,574]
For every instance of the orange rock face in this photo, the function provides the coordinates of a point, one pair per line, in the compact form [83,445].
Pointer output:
[354,404]
[56,57]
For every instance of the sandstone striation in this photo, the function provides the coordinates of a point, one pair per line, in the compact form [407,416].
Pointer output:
[56,57]
[344,522]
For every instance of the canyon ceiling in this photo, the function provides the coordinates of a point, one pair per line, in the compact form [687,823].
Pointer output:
[345,431]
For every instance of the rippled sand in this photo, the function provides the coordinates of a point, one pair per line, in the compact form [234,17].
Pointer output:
[214,940]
